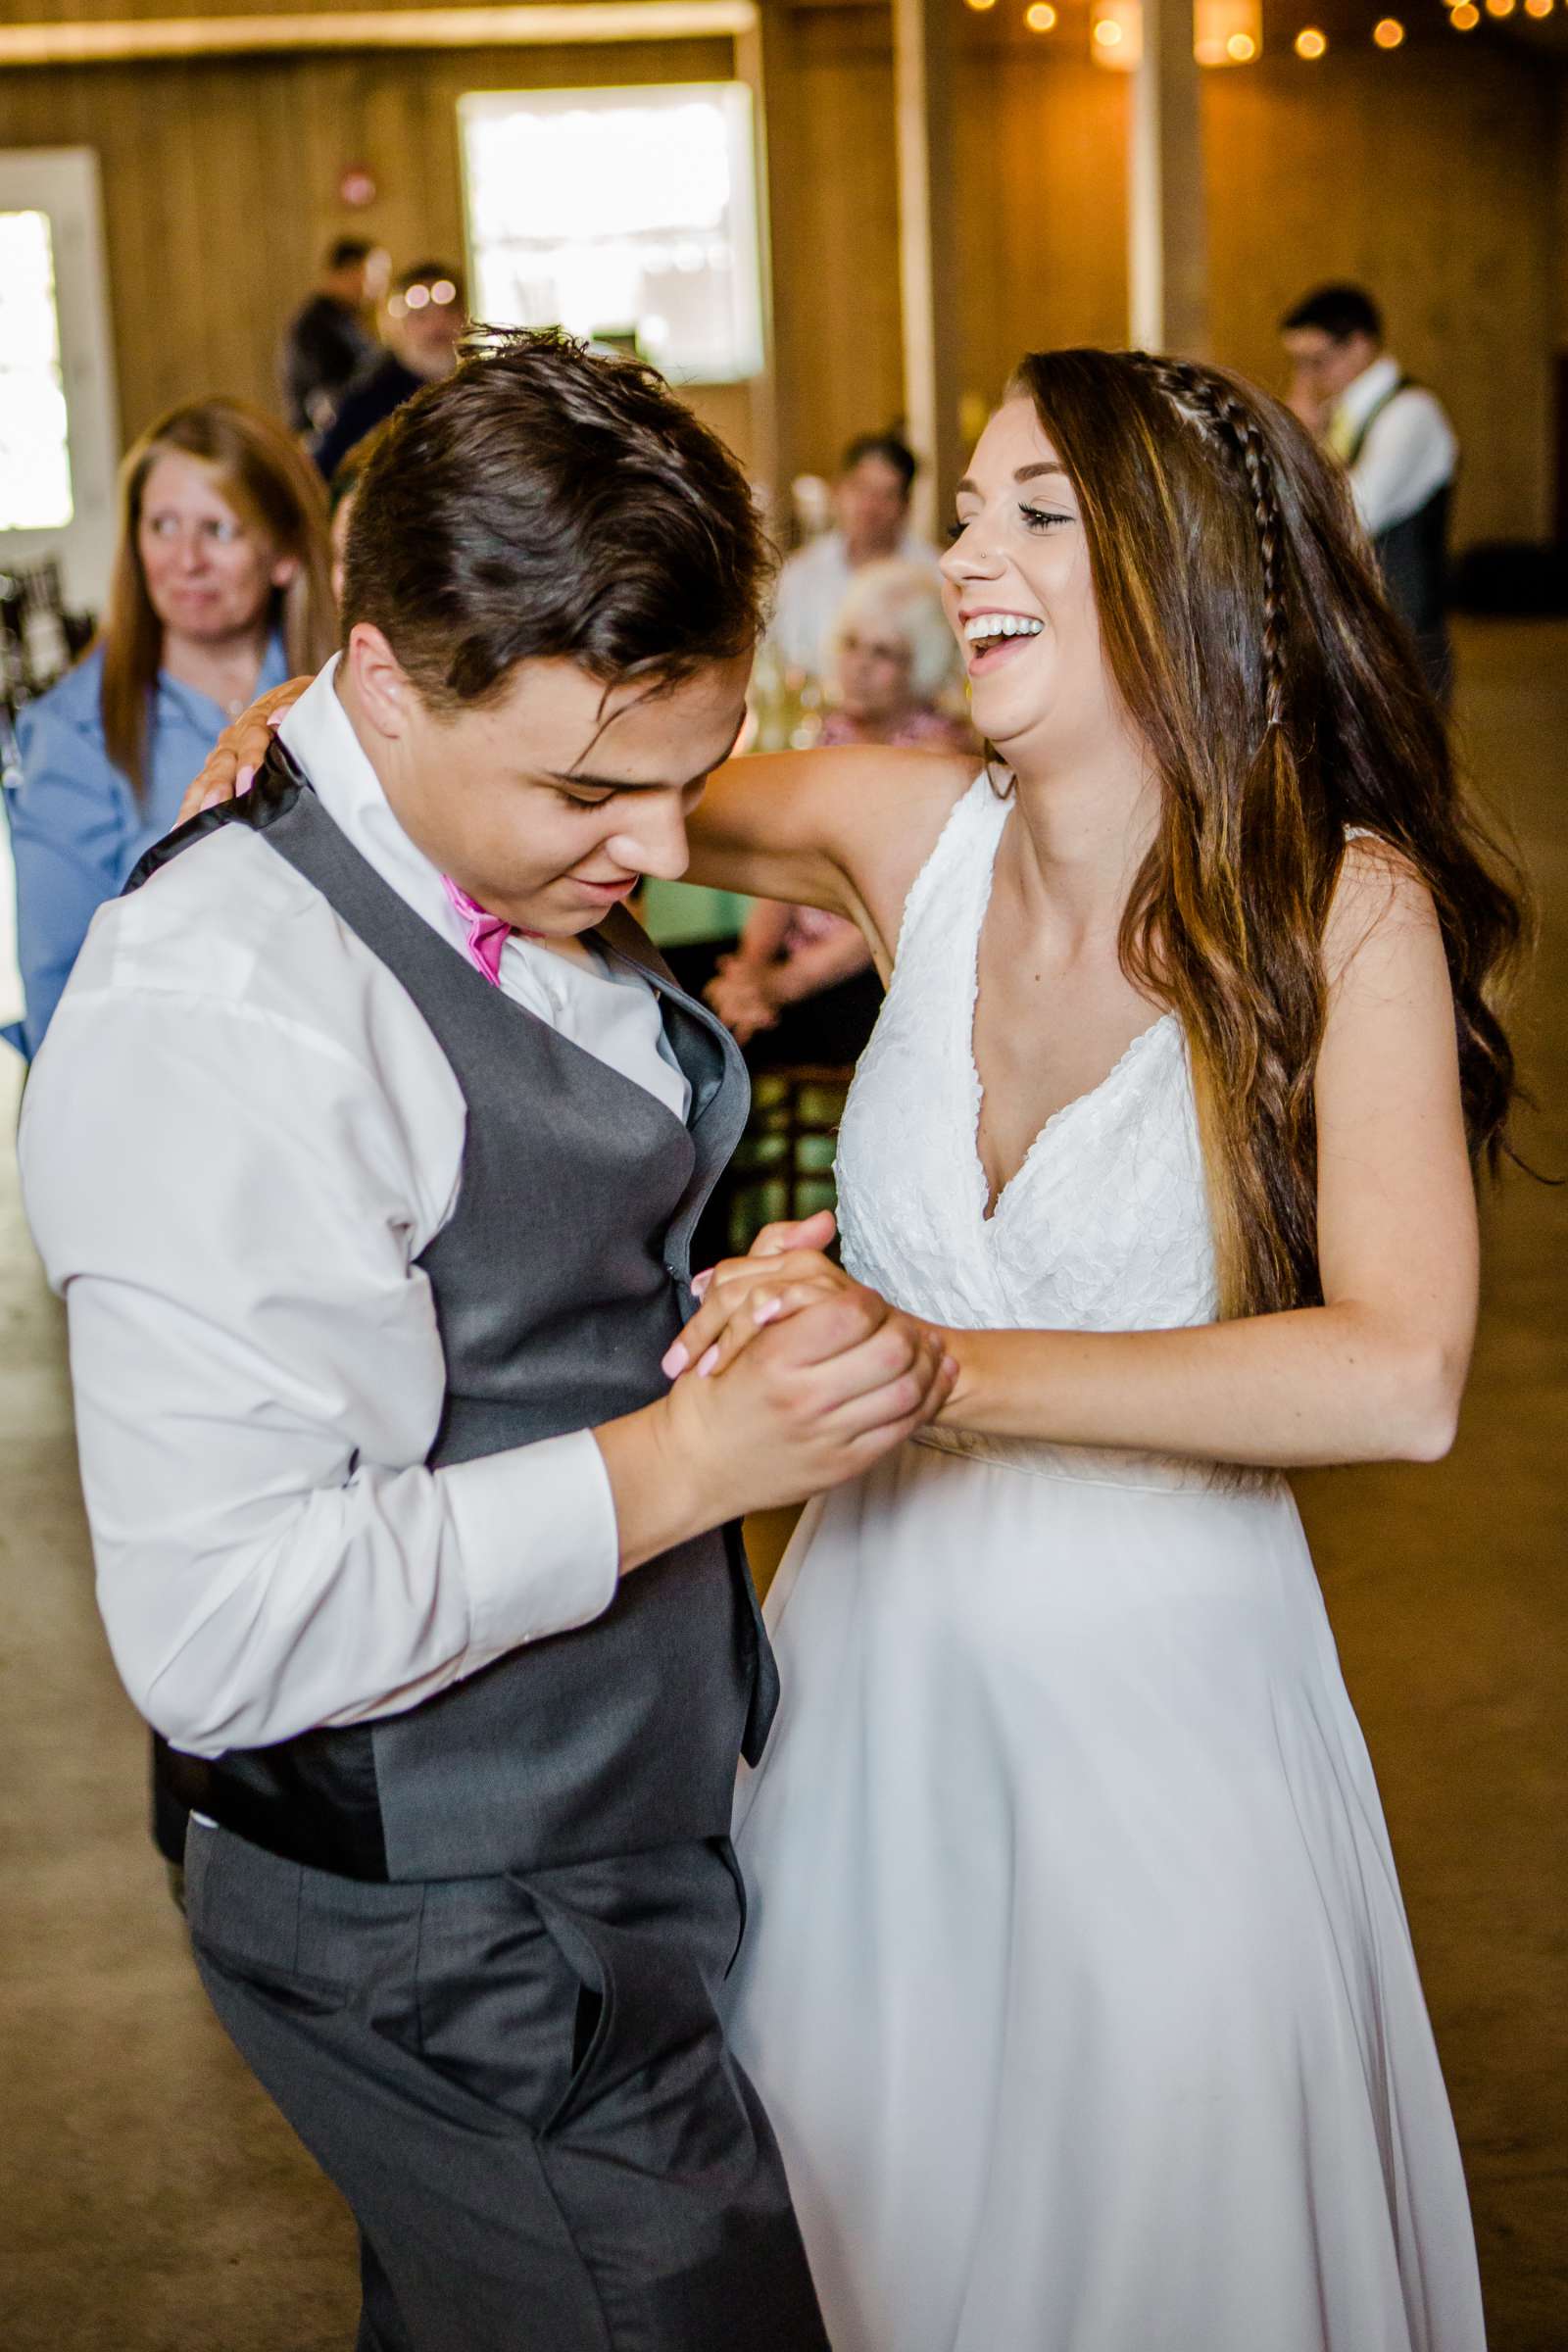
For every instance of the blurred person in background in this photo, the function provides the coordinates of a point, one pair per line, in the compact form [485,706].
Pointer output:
[1396,439]
[220,590]
[871,522]
[331,340]
[801,987]
[427,319]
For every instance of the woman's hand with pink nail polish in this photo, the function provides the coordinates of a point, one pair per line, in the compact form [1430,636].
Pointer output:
[784,1273]
[813,1398]
[230,765]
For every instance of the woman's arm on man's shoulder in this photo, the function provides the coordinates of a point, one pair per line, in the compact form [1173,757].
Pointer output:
[847,830]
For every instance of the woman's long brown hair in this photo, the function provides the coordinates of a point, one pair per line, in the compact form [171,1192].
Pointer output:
[1247,630]
[276,492]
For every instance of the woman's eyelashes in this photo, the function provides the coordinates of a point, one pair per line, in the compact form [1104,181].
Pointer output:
[1033,519]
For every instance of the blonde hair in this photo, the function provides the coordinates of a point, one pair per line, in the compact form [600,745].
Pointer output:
[904,597]
[276,491]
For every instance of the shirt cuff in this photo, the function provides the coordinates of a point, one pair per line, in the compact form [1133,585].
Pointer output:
[536,1535]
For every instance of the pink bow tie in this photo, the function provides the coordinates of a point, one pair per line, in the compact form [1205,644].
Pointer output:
[487,934]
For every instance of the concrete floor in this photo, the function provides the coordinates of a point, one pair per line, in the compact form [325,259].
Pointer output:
[149,2199]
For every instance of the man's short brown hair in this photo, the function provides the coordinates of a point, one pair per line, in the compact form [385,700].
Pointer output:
[547,502]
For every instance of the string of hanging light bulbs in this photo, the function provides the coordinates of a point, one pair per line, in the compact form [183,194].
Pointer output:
[1230,33]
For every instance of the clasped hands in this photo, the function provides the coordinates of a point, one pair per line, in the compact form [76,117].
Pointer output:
[907,1363]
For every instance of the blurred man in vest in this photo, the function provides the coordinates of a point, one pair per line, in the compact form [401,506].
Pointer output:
[1398,445]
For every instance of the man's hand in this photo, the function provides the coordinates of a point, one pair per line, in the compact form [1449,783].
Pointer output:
[230,765]
[784,1275]
[810,1404]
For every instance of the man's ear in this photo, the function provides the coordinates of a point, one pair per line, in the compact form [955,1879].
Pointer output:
[382,687]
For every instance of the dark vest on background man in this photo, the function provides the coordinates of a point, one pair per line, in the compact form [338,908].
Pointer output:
[1413,557]
[559,1283]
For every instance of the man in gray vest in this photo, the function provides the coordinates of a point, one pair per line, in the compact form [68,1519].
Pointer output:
[367,1149]
[1396,439]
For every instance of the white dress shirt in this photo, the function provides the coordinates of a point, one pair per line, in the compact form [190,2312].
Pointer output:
[239,1137]
[811,587]
[1408,454]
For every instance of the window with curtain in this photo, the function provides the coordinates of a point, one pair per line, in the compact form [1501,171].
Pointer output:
[626,215]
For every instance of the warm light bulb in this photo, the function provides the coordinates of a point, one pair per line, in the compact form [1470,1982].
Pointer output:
[1310,42]
[1227,32]
[1116,35]
[1464,17]
[1500,8]
[1040,16]
[982,4]
[1388,32]
[1539,8]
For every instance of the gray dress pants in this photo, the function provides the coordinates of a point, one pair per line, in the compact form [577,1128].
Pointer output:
[522,2090]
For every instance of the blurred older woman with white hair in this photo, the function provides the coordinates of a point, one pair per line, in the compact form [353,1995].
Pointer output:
[894,662]
[800,986]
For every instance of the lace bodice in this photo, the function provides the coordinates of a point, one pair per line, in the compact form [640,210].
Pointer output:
[1106,1225]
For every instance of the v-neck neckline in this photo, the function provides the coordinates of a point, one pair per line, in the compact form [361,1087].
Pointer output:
[993,1203]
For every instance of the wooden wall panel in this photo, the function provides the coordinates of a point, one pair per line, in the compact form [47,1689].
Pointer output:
[1439,199]
[220,187]
[1042,198]
[833,198]
[1439,176]
[1560,229]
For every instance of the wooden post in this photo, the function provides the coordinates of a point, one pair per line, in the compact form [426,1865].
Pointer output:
[1167,261]
[923,68]
[766,464]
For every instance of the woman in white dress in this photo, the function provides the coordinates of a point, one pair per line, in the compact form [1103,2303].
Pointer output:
[1077,1983]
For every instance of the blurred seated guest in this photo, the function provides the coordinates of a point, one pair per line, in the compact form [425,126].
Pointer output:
[1395,438]
[427,319]
[800,986]
[219,591]
[871,522]
[331,340]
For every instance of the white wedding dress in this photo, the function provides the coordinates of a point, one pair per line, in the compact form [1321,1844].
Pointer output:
[1077,1983]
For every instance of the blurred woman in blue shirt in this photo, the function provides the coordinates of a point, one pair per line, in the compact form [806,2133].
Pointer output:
[220,589]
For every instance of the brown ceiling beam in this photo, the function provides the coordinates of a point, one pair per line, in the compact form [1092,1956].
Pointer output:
[533,24]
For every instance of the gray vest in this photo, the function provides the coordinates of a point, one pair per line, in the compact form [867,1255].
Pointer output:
[559,1283]
[1414,554]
